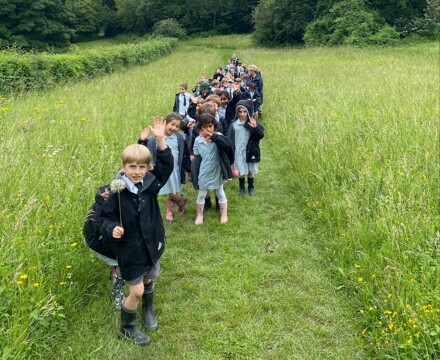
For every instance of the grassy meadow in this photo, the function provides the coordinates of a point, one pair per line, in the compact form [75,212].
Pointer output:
[335,257]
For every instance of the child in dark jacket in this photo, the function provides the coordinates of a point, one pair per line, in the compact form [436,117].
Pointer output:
[211,166]
[132,225]
[245,134]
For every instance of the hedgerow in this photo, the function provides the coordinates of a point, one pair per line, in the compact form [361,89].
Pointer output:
[26,72]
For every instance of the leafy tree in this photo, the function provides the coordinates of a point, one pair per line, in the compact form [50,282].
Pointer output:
[348,22]
[92,18]
[35,23]
[282,22]
[169,28]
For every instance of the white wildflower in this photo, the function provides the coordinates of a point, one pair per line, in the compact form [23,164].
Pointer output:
[117,185]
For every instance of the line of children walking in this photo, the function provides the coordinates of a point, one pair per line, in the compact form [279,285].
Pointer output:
[220,135]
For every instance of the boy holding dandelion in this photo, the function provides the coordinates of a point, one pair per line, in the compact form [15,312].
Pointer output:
[132,225]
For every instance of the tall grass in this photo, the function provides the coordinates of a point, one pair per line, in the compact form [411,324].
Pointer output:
[359,132]
[349,158]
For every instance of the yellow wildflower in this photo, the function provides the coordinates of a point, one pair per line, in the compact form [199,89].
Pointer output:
[74,244]
[68,266]
[23,276]
[36,284]
[360,279]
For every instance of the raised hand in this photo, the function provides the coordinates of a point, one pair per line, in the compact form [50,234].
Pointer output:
[158,131]
[206,134]
[158,128]
[144,133]
[253,122]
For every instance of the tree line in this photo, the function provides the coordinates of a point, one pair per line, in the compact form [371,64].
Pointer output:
[57,23]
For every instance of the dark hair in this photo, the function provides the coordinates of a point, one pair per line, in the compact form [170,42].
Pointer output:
[184,85]
[224,93]
[206,119]
[172,116]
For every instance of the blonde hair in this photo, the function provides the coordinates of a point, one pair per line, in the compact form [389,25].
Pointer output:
[137,153]
[215,99]
[253,67]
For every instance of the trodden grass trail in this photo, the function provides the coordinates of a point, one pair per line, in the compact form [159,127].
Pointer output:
[257,287]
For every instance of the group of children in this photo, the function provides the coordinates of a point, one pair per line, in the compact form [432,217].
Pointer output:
[211,136]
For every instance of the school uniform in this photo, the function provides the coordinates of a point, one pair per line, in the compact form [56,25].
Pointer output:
[245,142]
[212,162]
[181,103]
[143,242]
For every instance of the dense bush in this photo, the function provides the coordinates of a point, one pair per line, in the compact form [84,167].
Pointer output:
[169,28]
[282,22]
[349,22]
[20,73]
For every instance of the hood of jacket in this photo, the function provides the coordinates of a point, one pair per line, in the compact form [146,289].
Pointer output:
[248,105]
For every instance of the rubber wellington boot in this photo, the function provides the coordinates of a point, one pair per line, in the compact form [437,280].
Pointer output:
[224,213]
[208,204]
[169,211]
[129,329]
[148,316]
[199,217]
[117,292]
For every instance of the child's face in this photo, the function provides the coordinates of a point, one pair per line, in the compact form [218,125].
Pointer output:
[172,127]
[224,101]
[242,113]
[208,127]
[134,171]
[182,90]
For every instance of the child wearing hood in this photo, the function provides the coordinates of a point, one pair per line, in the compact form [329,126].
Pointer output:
[245,134]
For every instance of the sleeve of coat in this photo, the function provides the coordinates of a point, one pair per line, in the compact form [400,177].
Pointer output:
[256,133]
[110,217]
[224,145]
[164,165]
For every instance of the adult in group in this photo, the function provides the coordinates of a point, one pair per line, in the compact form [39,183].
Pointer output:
[255,77]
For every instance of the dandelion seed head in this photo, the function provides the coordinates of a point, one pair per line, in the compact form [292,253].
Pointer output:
[117,185]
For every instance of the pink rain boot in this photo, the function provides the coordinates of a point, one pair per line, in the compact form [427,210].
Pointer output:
[224,212]
[169,211]
[199,217]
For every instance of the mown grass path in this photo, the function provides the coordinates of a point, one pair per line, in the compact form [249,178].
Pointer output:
[255,288]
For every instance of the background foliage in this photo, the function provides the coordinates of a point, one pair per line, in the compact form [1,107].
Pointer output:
[44,24]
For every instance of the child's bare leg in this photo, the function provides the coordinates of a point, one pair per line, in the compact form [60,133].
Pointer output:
[132,300]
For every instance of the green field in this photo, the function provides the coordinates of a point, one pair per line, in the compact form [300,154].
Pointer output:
[336,257]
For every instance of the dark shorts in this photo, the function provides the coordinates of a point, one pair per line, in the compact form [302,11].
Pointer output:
[151,273]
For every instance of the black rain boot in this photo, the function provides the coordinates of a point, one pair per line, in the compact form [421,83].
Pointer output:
[130,330]
[208,204]
[148,316]
[241,184]
[251,186]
